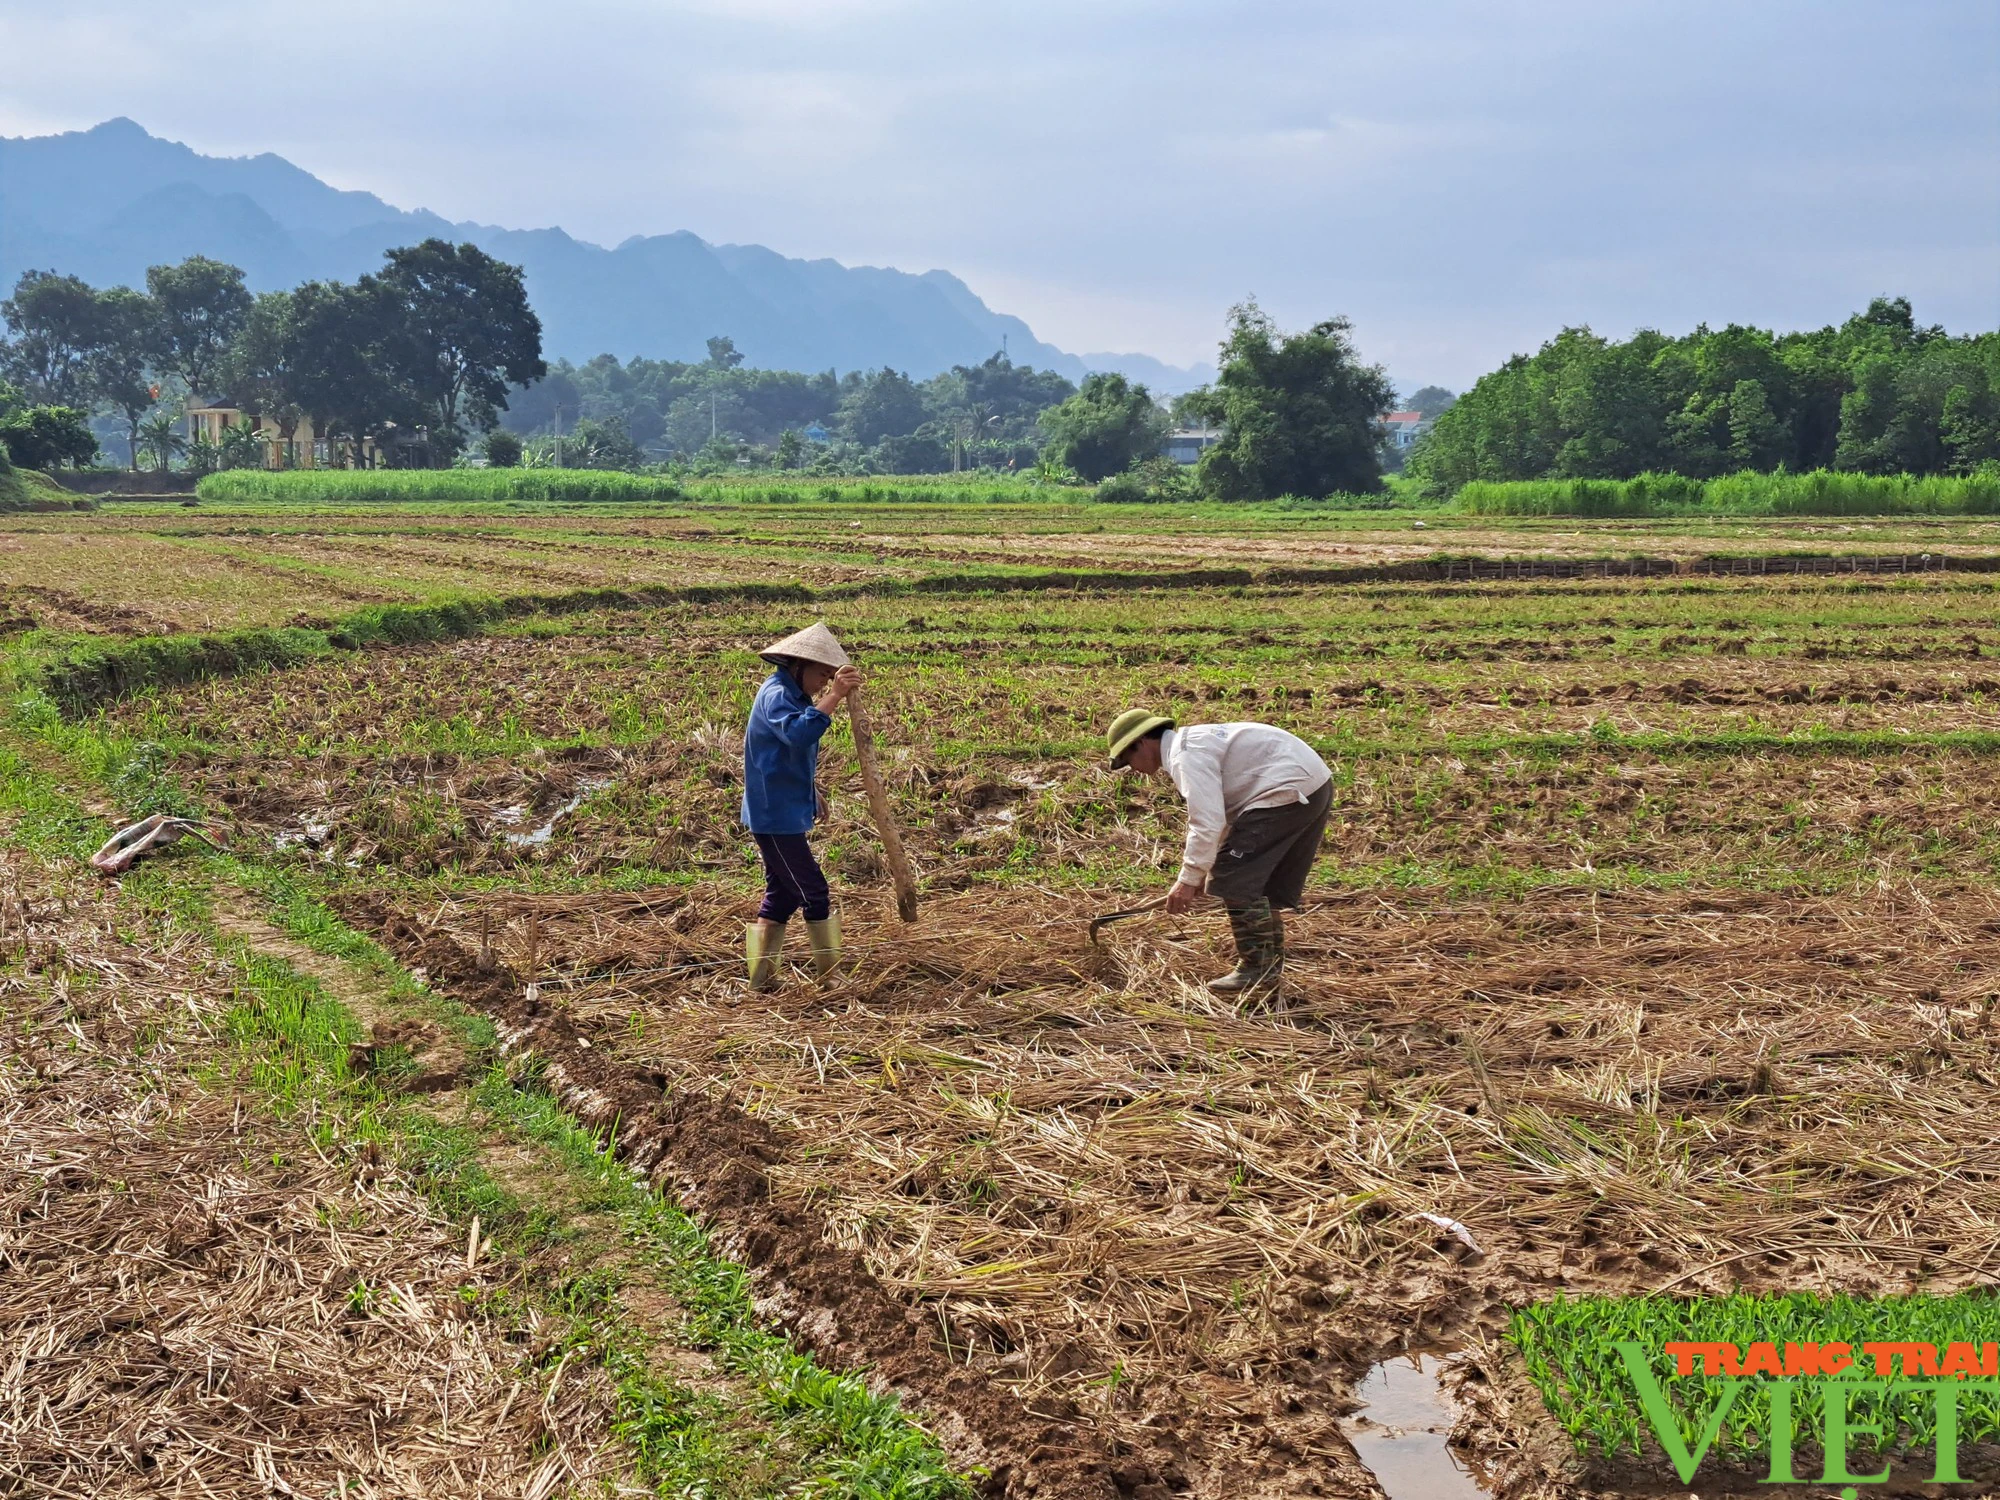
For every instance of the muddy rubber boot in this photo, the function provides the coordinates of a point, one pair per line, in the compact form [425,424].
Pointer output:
[1260,953]
[1268,991]
[825,944]
[761,957]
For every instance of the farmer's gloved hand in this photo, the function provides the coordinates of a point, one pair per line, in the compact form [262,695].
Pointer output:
[1183,897]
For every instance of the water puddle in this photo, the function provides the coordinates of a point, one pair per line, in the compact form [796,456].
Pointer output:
[542,834]
[1400,1433]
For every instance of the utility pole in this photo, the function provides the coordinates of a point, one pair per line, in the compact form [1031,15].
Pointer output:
[711,414]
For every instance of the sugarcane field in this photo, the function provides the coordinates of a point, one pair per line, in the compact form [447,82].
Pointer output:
[412,1083]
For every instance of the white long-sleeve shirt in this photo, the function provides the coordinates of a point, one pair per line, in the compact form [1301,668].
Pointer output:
[1226,770]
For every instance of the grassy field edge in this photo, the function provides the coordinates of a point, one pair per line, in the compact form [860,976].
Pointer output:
[296,1043]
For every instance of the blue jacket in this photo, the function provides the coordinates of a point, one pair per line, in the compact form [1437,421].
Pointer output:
[780,755]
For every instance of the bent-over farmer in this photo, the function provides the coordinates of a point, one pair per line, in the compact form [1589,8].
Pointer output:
[781,799]
[1257,804]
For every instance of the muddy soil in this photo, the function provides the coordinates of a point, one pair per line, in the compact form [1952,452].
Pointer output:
[717,1160]
[1519,1068]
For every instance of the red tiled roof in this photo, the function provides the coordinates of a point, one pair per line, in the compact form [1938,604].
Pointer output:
[1404,416]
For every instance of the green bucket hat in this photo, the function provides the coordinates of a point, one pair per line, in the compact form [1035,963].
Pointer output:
[1129,728]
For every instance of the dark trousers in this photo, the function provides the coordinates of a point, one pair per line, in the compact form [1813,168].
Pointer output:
[1270,852]
[792,879]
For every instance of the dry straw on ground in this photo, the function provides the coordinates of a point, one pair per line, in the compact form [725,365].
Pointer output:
[1110,1190]
[194,1301]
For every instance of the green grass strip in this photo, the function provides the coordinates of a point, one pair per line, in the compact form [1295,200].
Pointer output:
[80,676]
[851,1441]
[290,1037]
[875,1451]
[860,1443]
[316,487]
[394,486]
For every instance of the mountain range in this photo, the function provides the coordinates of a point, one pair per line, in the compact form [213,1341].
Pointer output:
[108,202]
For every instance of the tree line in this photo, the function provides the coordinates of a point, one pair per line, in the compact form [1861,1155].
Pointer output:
[441,345]
[415,357]
[720,413]
[416,360]
[1298,414]
[1292,414]
[1876,395]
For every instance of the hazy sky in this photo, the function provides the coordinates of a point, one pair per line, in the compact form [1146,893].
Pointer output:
[1460,178]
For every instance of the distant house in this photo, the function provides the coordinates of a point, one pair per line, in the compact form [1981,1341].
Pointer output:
[817,434]
[1401,429]
[301,450]
[1184,445]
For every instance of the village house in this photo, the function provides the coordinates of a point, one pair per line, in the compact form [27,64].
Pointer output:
[1401,429]
[301,449]
[1184,445]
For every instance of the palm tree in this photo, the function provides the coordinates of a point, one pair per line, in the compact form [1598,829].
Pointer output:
[241,448]
[159,442]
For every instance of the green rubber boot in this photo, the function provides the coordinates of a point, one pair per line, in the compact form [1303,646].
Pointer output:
[1260,953]
[762,956]
[825,944]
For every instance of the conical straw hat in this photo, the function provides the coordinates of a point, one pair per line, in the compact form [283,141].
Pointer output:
[814,643]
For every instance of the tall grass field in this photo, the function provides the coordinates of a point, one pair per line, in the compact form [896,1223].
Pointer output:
[1821,492]
[599,486]
[402,486]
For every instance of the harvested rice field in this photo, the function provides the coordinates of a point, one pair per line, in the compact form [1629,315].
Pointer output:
[144,567]
[1651,949]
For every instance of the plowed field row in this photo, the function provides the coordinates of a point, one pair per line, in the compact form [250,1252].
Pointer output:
[1651,946]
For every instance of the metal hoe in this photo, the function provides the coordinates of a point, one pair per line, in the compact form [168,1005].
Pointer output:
[1096,923]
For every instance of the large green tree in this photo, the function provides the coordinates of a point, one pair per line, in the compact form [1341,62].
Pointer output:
[1301,412]
[1430,401]
[48,437]
[1110,424]
[342,372]
[260,371]
[465,333]
[119,375]
[886,404]
[1606,402]
[1016,395]
[57,325]
[202,304]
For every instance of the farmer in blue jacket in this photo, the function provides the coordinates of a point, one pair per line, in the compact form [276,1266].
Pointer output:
[780,799]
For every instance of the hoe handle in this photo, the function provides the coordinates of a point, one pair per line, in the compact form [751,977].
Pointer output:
[878,806]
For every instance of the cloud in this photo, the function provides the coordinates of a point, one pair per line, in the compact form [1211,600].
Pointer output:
[1462,181]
